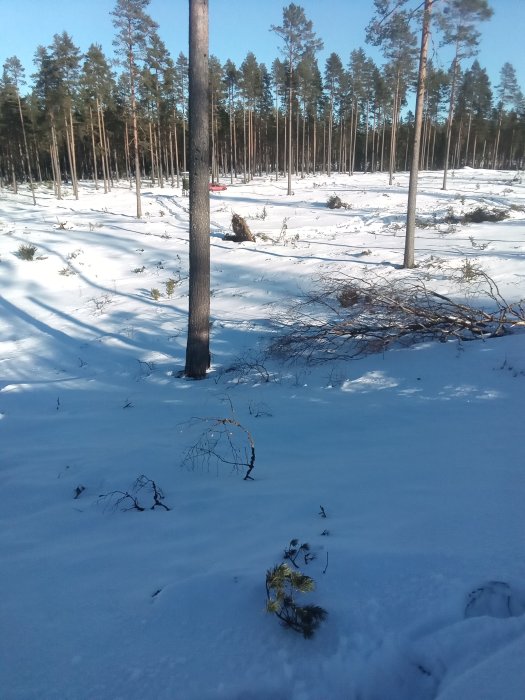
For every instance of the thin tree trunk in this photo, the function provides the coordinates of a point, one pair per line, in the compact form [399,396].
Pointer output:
[26,149]
[103,152]
[176,147]
[496,146]
[289,163]
[127,154]
[468,137]
[365,167]
[135,128]
[55,160]
[93,148]
[450,119]
[171,162]
[244,139]
[151,153]
[314,146]
[71,138]
[231,134]
[412,187]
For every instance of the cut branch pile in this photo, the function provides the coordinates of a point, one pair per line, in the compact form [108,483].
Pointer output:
[350,318]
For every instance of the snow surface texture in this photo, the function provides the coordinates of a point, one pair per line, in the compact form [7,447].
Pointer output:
[415,455]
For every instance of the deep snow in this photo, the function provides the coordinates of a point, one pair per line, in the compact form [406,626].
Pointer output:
[416,455]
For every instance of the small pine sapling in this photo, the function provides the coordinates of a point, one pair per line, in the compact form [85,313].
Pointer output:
[282,584]
[170,287]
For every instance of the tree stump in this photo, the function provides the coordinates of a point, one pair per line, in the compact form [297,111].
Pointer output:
[241,231]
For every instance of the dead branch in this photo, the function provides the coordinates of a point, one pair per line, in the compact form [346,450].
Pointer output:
[220,443]
[128,500]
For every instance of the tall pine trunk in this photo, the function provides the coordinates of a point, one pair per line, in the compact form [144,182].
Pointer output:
[26,149]
[450,120]
[414,170]
[198,343]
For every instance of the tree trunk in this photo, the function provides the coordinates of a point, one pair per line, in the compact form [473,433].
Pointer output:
[450,120]
[55,161]
[26,149]
[231,134]
[365,167]
[496,145]
[71,138]
[151,153]
[198,343]
[276,135]
[93,148]
[289,164]
[103,149]
[393,135]
[177,169]
[135,132]
[412,188]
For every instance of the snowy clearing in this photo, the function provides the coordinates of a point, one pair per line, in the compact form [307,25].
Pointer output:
[415,455]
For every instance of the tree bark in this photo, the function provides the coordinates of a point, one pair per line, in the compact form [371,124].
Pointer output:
[198,346]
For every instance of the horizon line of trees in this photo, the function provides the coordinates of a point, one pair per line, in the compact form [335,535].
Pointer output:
[81,119]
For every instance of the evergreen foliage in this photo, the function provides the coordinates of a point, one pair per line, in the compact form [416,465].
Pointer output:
[75,117]
[283,584]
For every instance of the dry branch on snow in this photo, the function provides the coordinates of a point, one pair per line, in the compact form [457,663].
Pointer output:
[350,318]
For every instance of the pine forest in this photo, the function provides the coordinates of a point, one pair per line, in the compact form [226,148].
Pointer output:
[78,116]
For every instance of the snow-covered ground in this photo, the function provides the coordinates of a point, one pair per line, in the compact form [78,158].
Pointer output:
[416,456]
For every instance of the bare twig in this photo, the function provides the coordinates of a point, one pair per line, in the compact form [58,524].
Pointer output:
[220,443]
[128,500]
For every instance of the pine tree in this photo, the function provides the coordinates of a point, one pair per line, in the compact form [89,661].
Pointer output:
[181,91]
[509,96]
[361,84]
[217,94]
[133,26]
[250,83]
[459,25]
[474,105]
[231,79]
[47,94]
[280,82]
[310,92]
[97,85]
[391,29]
[66,58]
[416,141]
[153,77]
[198,343]
[333,75]
[14,76]
[299,38]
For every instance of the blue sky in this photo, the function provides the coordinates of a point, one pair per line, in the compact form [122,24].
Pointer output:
[240,26]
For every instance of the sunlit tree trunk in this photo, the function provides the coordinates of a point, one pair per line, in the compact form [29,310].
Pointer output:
[198,343]
[414,170]
[26,149]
